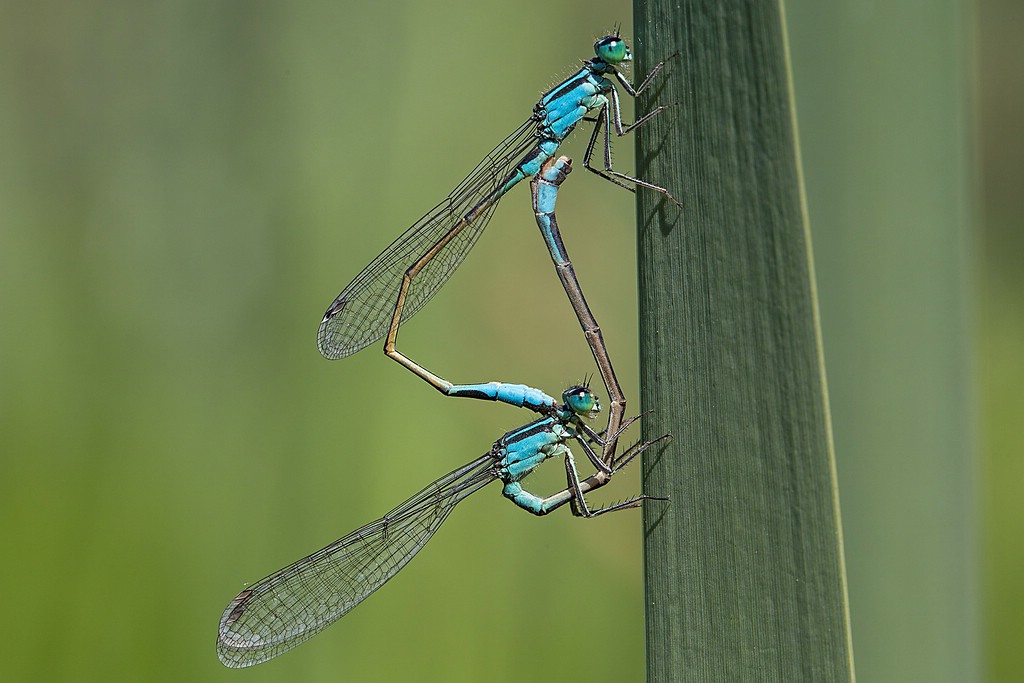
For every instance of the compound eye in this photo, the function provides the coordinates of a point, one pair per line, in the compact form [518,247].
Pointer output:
[580,400]
[611,49]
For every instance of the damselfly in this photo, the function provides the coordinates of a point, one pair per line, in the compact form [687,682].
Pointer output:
[294,604]
[399,281]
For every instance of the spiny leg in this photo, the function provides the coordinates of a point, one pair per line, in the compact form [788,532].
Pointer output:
[616,117]
[608,173]
[635,450]
[599,437]
[633,92]
[578,502]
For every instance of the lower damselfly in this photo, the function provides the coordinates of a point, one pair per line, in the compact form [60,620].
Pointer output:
[292,605]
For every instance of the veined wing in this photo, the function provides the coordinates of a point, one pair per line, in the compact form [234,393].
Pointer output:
[294,604]
[362,313]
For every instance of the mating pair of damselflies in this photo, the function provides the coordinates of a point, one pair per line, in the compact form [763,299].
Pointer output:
[290,606]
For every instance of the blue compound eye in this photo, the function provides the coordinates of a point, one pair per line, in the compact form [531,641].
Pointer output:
[611,50]
[580,400]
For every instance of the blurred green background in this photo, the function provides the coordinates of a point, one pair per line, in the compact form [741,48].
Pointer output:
[185,186]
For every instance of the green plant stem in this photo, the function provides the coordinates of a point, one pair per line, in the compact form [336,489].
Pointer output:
[744,567]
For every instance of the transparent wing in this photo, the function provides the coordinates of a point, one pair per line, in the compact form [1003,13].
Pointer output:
[294,604]
[362,312]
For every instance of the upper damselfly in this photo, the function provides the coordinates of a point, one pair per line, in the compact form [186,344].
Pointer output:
[399,281]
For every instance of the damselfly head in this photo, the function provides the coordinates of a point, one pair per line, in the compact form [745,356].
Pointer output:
[612,50]
[581,401]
